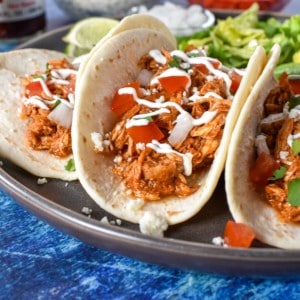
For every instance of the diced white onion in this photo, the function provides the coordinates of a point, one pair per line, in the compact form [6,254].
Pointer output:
[144,77]
[184,123]
[62,115]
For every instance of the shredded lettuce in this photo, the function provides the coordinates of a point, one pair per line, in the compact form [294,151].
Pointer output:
[234,39]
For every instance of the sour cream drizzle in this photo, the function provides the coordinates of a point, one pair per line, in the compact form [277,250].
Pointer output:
[177,135]
[197,60]
[196,97]
[144,119]
[158,56]
[183,116]
[159,105]
[165,148]
[59,77]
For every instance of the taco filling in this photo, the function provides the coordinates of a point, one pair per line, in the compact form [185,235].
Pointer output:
[277,167]
[170,124]
[48,101]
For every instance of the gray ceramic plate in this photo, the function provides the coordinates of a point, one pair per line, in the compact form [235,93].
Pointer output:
[187,245]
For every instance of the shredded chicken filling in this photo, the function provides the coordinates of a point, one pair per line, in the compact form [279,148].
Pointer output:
[277,134]
[151,175]
[42,94]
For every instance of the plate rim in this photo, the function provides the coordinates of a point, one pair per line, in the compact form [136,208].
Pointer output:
[213,259]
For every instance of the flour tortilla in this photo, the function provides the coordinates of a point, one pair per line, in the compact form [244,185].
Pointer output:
[246,204]
[13,66]
[114,65]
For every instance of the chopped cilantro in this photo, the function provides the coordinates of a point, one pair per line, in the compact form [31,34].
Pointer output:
[296,147]
[38,76]
[70,166]
[175,62]
[279,173]
[148,118]
[193,54]
[294,192]
[57,102]
[294,101]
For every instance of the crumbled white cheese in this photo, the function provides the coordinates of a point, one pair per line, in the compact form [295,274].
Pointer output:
[140,146]
[219,241]
[105,220]
[153,225]
[98,141]
[117,159]
[86,210]
[42,181]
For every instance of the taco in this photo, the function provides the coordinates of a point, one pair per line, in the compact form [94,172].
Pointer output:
[262,168]
[36,111]
[157,168]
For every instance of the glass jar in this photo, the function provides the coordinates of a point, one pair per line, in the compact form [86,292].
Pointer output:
[20,20]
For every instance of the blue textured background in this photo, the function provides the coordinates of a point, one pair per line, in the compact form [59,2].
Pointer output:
[39,262]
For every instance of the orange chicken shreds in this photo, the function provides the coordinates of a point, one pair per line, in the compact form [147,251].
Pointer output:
[279,131]
[48,100]
[189,120]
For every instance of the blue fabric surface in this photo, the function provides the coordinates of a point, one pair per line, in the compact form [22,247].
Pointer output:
[39,262]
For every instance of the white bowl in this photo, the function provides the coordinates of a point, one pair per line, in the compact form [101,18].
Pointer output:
[78,9]
[181,19]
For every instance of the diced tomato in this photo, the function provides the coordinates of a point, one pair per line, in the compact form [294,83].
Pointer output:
[173,84]
[145,134]
[238,235]
[235,81]
[295,86]
[262,169]
[122,103]
[203,69]
[34,88]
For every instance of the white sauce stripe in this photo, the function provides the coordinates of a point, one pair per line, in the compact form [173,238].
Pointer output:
[141,119]
[208,62]
[44,86]
[63,73]
[36,101]
[158,56]
[165,148]
[205,118]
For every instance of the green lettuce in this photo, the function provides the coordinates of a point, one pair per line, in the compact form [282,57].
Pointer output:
[234,39]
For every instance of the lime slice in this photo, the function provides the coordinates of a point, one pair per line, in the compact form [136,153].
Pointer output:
[87,32]
[73,51]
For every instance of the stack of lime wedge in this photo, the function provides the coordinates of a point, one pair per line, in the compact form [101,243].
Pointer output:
[85,34]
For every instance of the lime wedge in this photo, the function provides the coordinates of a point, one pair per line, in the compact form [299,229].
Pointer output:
[73,51]
[87,32]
